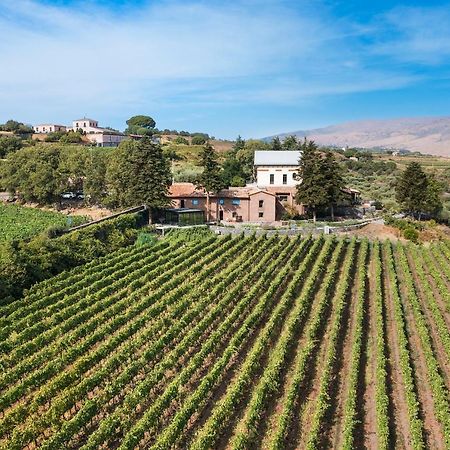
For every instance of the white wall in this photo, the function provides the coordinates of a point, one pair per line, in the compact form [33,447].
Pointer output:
[106,140]
[48,128]
[263,175]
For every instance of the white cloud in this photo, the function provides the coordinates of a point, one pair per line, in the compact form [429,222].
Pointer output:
[415,34]
[57,62]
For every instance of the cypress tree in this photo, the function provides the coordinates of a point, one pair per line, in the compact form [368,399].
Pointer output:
[412,189]
[313,191]
[210,179]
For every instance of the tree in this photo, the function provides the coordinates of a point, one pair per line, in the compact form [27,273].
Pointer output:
[16,127]
[434,192]
[211,178]
[239,144]
[334,180]
[143,125]
[139,174]
[313,191]
[290,143]
[9,144]
[198,139]
[94,186]
[33,174]
[412,189]
[181,140]
[72,137]
[276,143]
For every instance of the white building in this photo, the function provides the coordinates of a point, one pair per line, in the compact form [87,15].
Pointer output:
[276,167]
[48,128]
[102,137]
[86,125]
[106,139]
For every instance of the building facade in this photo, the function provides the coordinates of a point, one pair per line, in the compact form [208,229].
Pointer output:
[48,128]
[106,140]
[236,204]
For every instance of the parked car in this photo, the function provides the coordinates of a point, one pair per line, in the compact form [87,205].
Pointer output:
[79,195]
[69,195]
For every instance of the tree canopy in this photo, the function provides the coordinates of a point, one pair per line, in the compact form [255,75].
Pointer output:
[418,192]
[138,173]
[143,125]
[321,178]
[15,127]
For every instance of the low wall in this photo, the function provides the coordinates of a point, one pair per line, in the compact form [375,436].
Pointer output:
[288,231]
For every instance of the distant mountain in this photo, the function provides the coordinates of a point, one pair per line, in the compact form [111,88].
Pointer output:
[428,135]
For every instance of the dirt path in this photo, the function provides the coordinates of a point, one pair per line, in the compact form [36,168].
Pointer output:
[369,424]
[433,430]
[400,428]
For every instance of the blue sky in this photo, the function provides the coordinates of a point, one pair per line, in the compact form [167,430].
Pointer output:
[249,67]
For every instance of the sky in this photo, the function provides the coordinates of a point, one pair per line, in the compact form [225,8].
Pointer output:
[243,67]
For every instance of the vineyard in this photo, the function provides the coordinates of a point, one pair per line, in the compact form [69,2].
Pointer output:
[240,343]
[32,221]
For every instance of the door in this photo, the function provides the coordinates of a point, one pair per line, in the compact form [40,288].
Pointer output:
[221,214]
[182,204]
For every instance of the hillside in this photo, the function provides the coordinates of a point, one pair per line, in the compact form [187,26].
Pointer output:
[429,135]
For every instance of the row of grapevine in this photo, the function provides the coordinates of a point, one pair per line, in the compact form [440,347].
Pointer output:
[440,393]
[160,369]
[223,411]
[415,422]
[350,408]
[148,309]
[270,382]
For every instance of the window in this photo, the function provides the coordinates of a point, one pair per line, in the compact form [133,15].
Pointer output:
[84,124]
[261,214]
[77,124]
[272,178]
[235,201]
[261,203]
[283,197]
[284,178]
[195,201]
[221,201]
[182,203]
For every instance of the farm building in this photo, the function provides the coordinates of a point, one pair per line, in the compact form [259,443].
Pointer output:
[236,204]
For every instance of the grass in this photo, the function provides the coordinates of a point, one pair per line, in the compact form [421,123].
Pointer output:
[20,222]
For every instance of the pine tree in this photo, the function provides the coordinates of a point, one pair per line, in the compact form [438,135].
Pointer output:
[139,174]
[211,178]
[412,189]
[334,181]
[313,190]
[276,144]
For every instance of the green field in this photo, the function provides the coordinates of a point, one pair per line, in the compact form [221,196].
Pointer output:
[243,343]
[19,222]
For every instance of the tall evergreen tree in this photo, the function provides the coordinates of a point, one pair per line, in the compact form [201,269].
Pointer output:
[139,174]
[313,191]
[290,143]
[334,181]
[210,179]
[276,143]
[412,189]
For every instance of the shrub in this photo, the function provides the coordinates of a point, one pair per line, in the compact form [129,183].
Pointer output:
[411,234]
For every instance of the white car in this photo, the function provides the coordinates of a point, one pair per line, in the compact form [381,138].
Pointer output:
[69,195]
